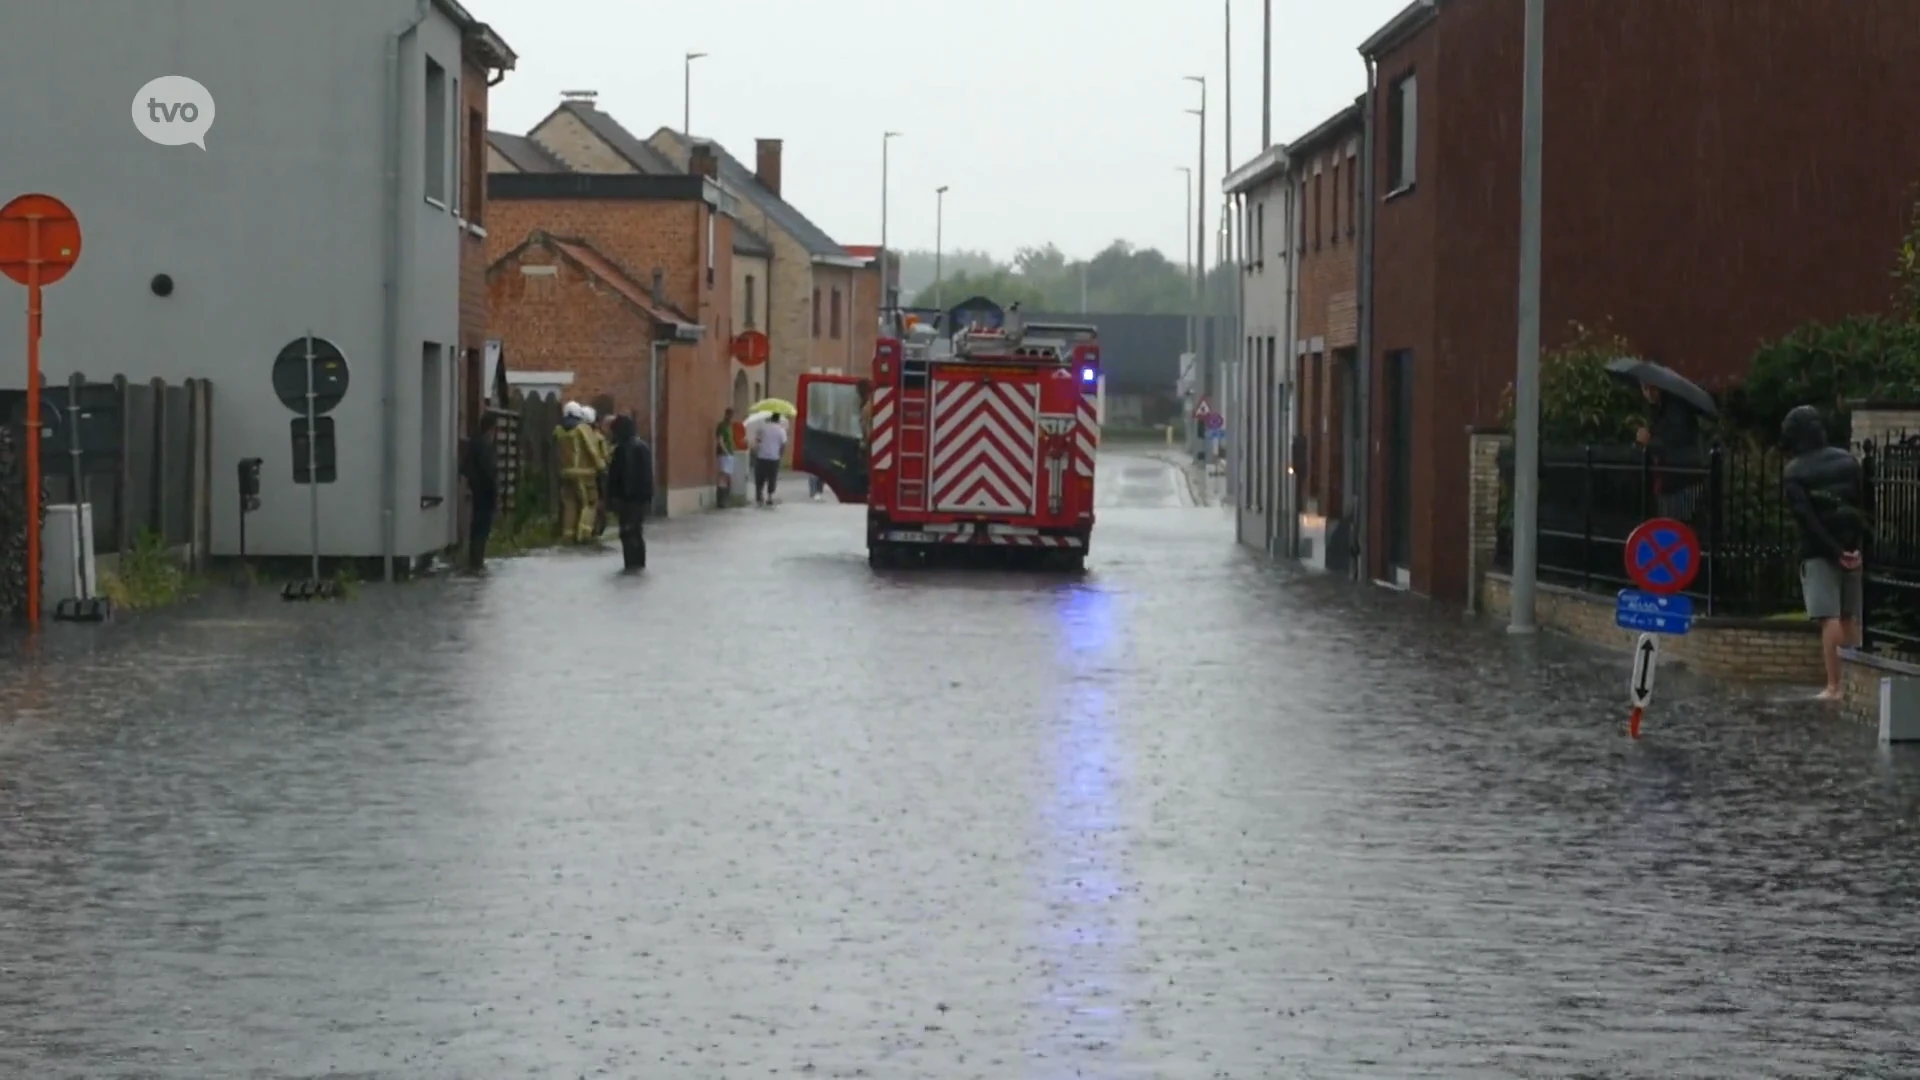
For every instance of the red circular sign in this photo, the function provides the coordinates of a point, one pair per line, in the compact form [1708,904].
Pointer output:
[55,244]
[1663,556]
[750,348]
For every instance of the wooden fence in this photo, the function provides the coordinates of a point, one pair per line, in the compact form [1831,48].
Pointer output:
[140,452]
[529,460]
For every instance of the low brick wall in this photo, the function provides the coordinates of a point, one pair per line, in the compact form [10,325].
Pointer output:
[1759,650]
[1860,675]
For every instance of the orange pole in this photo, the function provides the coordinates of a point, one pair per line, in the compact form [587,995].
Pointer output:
[1633,723]
[33,422]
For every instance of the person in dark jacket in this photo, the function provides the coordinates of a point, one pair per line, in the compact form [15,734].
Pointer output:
[1672,439]
[480,467]
[1825,490]
[630,488]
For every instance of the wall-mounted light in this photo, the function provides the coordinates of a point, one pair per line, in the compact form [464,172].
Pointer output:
[162,285]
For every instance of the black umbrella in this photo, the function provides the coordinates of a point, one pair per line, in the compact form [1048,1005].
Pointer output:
[1664,379]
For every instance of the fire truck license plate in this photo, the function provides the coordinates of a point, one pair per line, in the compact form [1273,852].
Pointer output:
[910,537]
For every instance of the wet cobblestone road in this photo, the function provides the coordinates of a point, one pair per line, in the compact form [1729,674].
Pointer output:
[765,812]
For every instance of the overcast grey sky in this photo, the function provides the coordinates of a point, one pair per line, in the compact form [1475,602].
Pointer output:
[1052,120]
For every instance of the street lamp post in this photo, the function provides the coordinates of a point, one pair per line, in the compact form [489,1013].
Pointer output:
[1186,252]
[887,302]
[686,94]
[1205,364]
[1526,381]
[939,246]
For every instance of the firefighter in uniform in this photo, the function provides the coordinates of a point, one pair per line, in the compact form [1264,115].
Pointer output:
[580,465]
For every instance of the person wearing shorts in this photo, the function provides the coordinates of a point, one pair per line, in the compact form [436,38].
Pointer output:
[1824,488]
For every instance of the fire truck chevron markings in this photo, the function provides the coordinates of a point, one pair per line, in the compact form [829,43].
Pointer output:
[983,445]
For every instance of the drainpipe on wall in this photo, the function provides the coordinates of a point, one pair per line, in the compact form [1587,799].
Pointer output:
[398,243]
[1363,490]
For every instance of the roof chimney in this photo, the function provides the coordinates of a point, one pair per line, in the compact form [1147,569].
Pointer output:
[766,168]
[659,287]
[703,162]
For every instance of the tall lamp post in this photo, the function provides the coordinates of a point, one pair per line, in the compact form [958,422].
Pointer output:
[686,94]
[1186,252]
[1526,381]
[1205,363]
[939,246]
[887,303]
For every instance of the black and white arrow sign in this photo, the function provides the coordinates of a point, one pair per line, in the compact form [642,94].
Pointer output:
[1646,653]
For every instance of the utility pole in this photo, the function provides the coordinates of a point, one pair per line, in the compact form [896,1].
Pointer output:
[1230,256]
[1186,252]
[1083,288]
[939,246]
[686,95]
[1526,381]
[887,302]
[1201,328]
[1266,78]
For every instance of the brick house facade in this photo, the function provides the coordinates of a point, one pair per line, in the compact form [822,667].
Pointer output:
[633,252]
[1326,234]
[1764,213]
[804,259]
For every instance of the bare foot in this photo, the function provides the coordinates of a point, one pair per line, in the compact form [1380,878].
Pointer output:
[1831,693]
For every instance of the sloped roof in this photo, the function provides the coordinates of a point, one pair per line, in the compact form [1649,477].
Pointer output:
[739,178]
[589,261]
[525,154]
[635,151]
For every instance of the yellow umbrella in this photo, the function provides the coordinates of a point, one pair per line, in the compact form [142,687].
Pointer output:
[774,405]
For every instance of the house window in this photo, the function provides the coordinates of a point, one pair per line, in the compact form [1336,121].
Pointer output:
[476,159]
[816,311]
[1403,116]
[1319,206]
[1260,234]
[710,235]
[435,139]
[836,313]
[751,306]
[1333,226]
[1353,190]
[433,441]
[1300,215]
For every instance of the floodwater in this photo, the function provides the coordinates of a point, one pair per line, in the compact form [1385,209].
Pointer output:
[763,811]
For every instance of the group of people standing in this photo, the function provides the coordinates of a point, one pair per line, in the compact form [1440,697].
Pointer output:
[605,466]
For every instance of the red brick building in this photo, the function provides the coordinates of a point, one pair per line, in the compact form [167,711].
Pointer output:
[1325,164]
[587,269]
[484,60]
[1712,179]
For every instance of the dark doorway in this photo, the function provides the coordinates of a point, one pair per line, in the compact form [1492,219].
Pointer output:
[1400,460]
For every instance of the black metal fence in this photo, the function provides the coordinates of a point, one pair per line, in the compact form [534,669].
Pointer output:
[1891,621]
[1592,497]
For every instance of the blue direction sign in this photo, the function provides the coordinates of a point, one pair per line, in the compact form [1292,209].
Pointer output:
[1650,614]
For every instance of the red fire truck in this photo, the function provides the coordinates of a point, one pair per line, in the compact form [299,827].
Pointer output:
[984,439]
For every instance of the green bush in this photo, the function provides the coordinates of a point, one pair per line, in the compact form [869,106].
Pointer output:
[148,576]
[1866,357]
[1580,402]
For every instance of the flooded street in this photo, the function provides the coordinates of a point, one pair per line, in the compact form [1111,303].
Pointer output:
[764,811]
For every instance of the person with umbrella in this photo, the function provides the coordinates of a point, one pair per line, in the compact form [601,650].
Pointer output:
[1672,433]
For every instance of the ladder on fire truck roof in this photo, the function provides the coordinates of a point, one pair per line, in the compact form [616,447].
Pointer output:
[1024,341]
